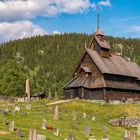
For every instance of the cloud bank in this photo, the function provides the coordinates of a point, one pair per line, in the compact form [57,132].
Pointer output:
[11,31]
[16,15]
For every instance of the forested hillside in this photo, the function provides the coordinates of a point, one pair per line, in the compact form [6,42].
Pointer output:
[49,61]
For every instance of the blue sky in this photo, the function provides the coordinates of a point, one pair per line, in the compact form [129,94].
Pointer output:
[21,18]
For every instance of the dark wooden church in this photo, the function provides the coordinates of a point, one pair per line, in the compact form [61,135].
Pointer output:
[101,75]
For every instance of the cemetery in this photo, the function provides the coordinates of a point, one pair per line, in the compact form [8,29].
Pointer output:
[73,120]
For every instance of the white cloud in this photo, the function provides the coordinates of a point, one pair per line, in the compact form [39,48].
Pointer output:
[56,32]
[15,30]
[26,9]
[104,3]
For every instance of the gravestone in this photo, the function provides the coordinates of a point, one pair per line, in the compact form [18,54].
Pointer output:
[56,131]
[132,135]
[18,132]
[4,121]
[56,113]
[17,108]
[87,131]
[71,137]
[28,106]
[84,115]
[93,118]
[32,134]
[6,109]
[12,126]
[41,137]
[49,95]
[74,115]
[74,127]
[91,138]
[138,130]
[125,135]
[104,129]
[44,123]
[105,137]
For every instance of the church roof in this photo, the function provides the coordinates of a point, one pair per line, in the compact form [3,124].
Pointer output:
[102,43]
[114,65]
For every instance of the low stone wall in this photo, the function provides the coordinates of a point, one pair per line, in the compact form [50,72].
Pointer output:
[126,121]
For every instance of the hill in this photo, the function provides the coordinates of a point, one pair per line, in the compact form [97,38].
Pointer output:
[49,61]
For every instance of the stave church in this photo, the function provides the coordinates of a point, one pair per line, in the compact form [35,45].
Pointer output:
[102,75]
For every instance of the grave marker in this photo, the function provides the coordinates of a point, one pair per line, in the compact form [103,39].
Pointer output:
[41,137]
[56,113]
[84,115]
[12,126]
[32,134]
[4,121]
[18,132]
[44,124]
[87,131]
[74,115]
[56,131]
[138,130]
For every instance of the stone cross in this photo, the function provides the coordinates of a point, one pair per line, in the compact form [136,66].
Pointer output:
[44,124]
[56,131]
[56,112]
[12,126]
[32,134]
[27,90]
[41,137]
[74,115]
[87,131]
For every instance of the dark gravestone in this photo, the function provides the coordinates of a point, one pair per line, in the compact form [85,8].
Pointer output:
[74,127]
[18,132]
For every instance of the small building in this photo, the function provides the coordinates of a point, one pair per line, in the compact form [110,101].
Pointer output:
[101,75]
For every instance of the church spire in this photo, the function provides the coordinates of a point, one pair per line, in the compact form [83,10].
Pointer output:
[98,32]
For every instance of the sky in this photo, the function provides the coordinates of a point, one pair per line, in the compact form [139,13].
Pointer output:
[26,18]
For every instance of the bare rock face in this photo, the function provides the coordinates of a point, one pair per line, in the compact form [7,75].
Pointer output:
[126,121]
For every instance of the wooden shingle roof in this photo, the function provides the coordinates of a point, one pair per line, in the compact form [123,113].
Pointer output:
[115,65]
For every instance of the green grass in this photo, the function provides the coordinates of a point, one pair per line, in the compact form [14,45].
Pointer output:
[103,114]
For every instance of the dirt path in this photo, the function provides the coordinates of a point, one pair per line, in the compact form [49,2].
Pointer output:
[58,102]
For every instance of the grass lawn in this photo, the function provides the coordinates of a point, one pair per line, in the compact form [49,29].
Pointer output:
[34,117]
